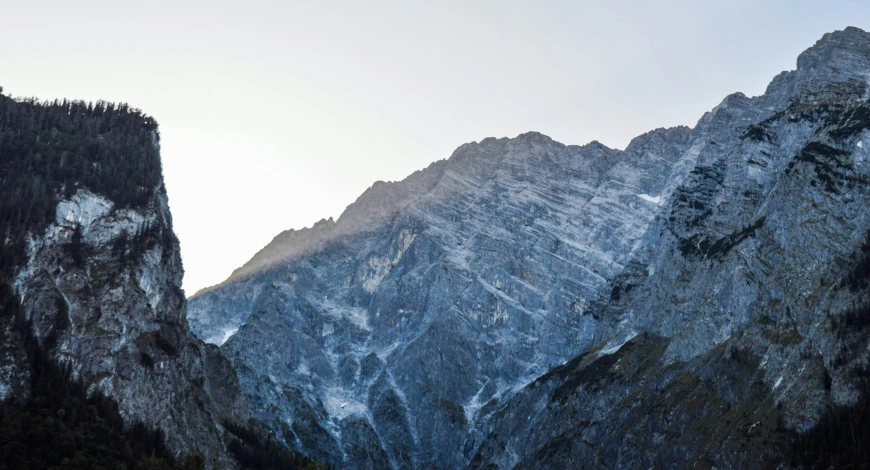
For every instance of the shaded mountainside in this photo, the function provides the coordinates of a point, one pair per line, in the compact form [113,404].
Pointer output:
[430,297]
[740,324]
[91,299]
[709,284]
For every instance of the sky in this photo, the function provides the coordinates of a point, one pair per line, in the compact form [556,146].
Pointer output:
[275,114]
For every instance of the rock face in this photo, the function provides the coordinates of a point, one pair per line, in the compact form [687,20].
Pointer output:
[734,326]
[91,270]
[102,288]
[699,274]
[430,297]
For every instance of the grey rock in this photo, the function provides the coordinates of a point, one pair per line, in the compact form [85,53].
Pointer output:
[414,320]
[684,294]
[117,319]
[737,295]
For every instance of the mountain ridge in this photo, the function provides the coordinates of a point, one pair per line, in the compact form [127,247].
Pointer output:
[509,314]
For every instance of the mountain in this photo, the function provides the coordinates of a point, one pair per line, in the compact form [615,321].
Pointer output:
[743,319]
[697,299]
[442,269]
[97,363]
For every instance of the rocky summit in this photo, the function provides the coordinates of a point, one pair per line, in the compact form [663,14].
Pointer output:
[695,300]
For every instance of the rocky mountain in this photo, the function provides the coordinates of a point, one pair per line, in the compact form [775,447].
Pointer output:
[742,321]
[430,297]
[697,299]
[90,285]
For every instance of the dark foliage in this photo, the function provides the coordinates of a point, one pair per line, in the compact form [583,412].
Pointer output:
[852,122]
[695,200]
[47,152]
[704,247]
[758,133]
[859,274]
[50,150]
[254,450]
[62,426]
[841,439]
[832,167]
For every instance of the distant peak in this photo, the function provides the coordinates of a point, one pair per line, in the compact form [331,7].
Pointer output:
[669,134]
[533,136]
[323,223]
[849,47]
[597,145]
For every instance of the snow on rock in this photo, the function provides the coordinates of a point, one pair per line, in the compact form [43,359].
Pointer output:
[511,238]
[341,403]
[617,343]
[227,334]
[6,373]
[647,197]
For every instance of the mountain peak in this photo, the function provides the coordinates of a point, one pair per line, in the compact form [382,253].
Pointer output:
[848,49]
[534,136]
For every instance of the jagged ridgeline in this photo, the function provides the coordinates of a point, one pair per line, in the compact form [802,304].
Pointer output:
[696,300]
[72,414]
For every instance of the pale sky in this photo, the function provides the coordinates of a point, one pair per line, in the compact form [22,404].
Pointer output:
[274,115]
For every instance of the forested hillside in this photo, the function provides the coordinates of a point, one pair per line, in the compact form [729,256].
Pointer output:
[52,416]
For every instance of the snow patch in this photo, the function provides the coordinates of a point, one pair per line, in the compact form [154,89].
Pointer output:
[359,317]
[473,407]
[652,199]
[617,343]
[753,426]
[500,314]
[226,335]
[341,403]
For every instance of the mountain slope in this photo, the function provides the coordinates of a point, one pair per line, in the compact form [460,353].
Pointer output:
[444,269]
[736,327]
[701,275]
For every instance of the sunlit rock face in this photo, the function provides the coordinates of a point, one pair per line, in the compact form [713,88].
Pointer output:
[102,289]
[689,286]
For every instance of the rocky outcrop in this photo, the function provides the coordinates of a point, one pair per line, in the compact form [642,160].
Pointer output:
[90,279]
[102,290]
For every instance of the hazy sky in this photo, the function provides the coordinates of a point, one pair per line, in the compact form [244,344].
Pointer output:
[274,115]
